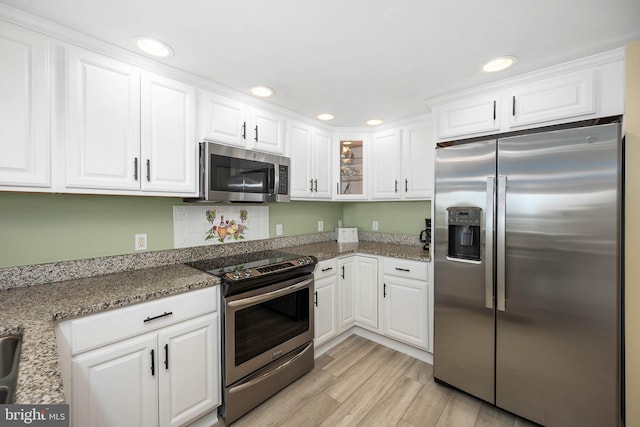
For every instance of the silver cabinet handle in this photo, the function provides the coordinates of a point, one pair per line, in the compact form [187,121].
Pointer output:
[406,185]
[311,185]
[148,170]
[315,185]
[269,295]
[500,244]
[403,269]
[244,130]
[256,138]
[396,185]
[488,245]
[135,168]
[327,269]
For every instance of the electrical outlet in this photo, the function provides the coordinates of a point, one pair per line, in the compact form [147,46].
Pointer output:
[140,242]
[320,225]
[339,223]
[374,225]
[278,229]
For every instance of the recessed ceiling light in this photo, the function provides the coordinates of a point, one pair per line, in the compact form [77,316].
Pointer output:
[499,64]
[153,47]
[326,116]
[374,122]
[262,91]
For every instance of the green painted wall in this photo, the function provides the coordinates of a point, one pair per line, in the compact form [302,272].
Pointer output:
[393,217]
[40,228]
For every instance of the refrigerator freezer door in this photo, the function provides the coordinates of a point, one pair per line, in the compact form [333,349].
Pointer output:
[464,317]
[557,342]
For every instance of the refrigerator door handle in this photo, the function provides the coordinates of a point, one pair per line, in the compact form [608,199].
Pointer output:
[500,244]
[488,251]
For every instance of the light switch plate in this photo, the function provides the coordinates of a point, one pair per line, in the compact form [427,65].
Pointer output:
[374,226]
[320,225]
[278,229]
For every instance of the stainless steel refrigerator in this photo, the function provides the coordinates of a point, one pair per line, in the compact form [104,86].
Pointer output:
[527,266]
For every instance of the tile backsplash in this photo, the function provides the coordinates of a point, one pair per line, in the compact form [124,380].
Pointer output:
[200,225]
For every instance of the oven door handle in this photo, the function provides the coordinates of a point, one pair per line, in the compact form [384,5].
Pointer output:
[272,372]
[269,295]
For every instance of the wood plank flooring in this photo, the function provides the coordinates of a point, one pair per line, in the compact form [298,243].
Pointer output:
[361,383]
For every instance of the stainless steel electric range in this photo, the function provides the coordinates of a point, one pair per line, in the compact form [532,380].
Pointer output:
[267,301]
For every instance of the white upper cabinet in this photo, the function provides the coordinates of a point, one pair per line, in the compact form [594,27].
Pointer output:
[559,97]
[587,88]
[168,135]
[226,120]
[127,129]
[403,162]
[418,155]
[387,163]
[267,131]
[351,162]
[473,115]
[310,151]
[25,154]
[102,122]
[222,119]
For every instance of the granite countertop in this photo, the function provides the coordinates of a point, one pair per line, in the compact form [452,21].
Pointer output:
[332,249]
[33,311]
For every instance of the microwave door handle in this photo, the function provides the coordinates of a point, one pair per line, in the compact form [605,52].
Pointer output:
[270,295]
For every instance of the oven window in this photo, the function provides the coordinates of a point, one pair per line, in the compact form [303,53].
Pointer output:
[267,325]
[241,176]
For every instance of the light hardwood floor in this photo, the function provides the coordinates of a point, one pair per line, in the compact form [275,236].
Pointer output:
[361,383]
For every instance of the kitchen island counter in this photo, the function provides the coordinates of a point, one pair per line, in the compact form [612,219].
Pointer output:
[33,312]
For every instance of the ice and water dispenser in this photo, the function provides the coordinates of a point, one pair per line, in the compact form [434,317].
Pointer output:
[463,226]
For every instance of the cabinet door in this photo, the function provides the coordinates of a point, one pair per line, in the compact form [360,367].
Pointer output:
[188,370]
[346,282]
[266,131]
[300,146]
[469,116]
[351,166]
[222,119]
[169,149]
[103,122]
[325,310]
[115,386]
[555,98]
[322,165]
[366,292]
[418,151]
[25,154]
[405,310]
[387,155]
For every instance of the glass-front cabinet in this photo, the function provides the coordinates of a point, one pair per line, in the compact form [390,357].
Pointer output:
[351,153]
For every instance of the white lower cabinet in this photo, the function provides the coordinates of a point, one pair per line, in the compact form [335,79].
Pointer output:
[388,296]
[405,301]
[325,316]
[366,292]
[167,376]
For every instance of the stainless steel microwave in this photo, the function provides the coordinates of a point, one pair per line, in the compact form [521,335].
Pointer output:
[231,174]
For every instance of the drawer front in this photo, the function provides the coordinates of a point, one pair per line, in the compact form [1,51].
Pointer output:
[405,268]
[325,268]
[114,325]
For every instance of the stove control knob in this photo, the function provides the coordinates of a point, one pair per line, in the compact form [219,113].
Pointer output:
[247,273]
[236,275]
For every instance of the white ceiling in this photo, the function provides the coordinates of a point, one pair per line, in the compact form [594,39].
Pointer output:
[354,58]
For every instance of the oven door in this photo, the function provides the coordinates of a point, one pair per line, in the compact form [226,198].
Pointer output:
[266,323]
